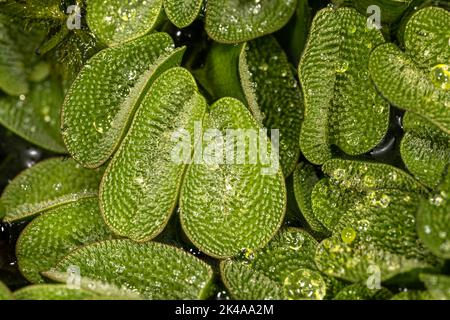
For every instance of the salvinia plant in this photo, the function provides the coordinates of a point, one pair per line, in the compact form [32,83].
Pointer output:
[190,149]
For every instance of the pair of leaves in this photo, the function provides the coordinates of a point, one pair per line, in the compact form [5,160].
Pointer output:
[342,107]
[258,74]
[284,269]
[46,185]
[418,80]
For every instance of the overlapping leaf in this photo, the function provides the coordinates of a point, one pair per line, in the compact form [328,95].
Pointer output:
[272,273]
[433,220]
[46,185]
[152,270]
[141,184]
[390,10]
[418,80]
[102,100]
[438,285]
[118,21]
[5,294]
[182,12]
[234,198]
[236,21]
[342,107]
[50,237]
[425,149]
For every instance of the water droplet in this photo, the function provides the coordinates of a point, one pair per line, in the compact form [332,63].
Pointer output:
[341,67]
[304,284]
[348,235]
[440,76]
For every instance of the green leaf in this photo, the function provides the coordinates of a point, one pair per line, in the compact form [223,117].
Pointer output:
[406,86]
[269,84]
[305,178]
[5,294]
[106,93]
[36,116]
[358,291]
[262,273]
[433,220]
[391,10]
[438,285]
[51,236]
[259,74]
[153,270]
[376,234]
[140,187]
[48,184]
[366,176]
[426,37]
[237,21]
[226,206]
[342,107]
[52,292]
[425,150]
[119,21]
[182,13]
[13,77]
[412,295]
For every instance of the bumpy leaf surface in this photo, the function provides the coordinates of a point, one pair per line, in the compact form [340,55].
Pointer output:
[141,184]
[52,292]
[48,184]
[342,107]
[106,93]
[234,199]
[182,12]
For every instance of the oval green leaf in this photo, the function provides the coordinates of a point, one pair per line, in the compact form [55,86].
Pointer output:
[48,184]
[51,236]
[236,21]
[119,21]
[52,292]
[152,270]
[140,187]
[232,200]
[182,12]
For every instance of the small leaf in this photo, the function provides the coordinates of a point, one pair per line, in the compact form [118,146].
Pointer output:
[153,270]
[305,178]
[5,294]
[13,77]
[36,116]
[262,273]
[182,12]
[141,184]
[438,285]
[52,292]
[433,220]
[106,93]
[54,234]
[391,10]
[378,233]
[237,21]
[425,150]
[406,86]
[342,107]
[358,291]
[48,184]
[119,21]
[226,206]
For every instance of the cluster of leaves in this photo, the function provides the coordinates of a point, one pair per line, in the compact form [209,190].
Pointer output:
[112,216]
